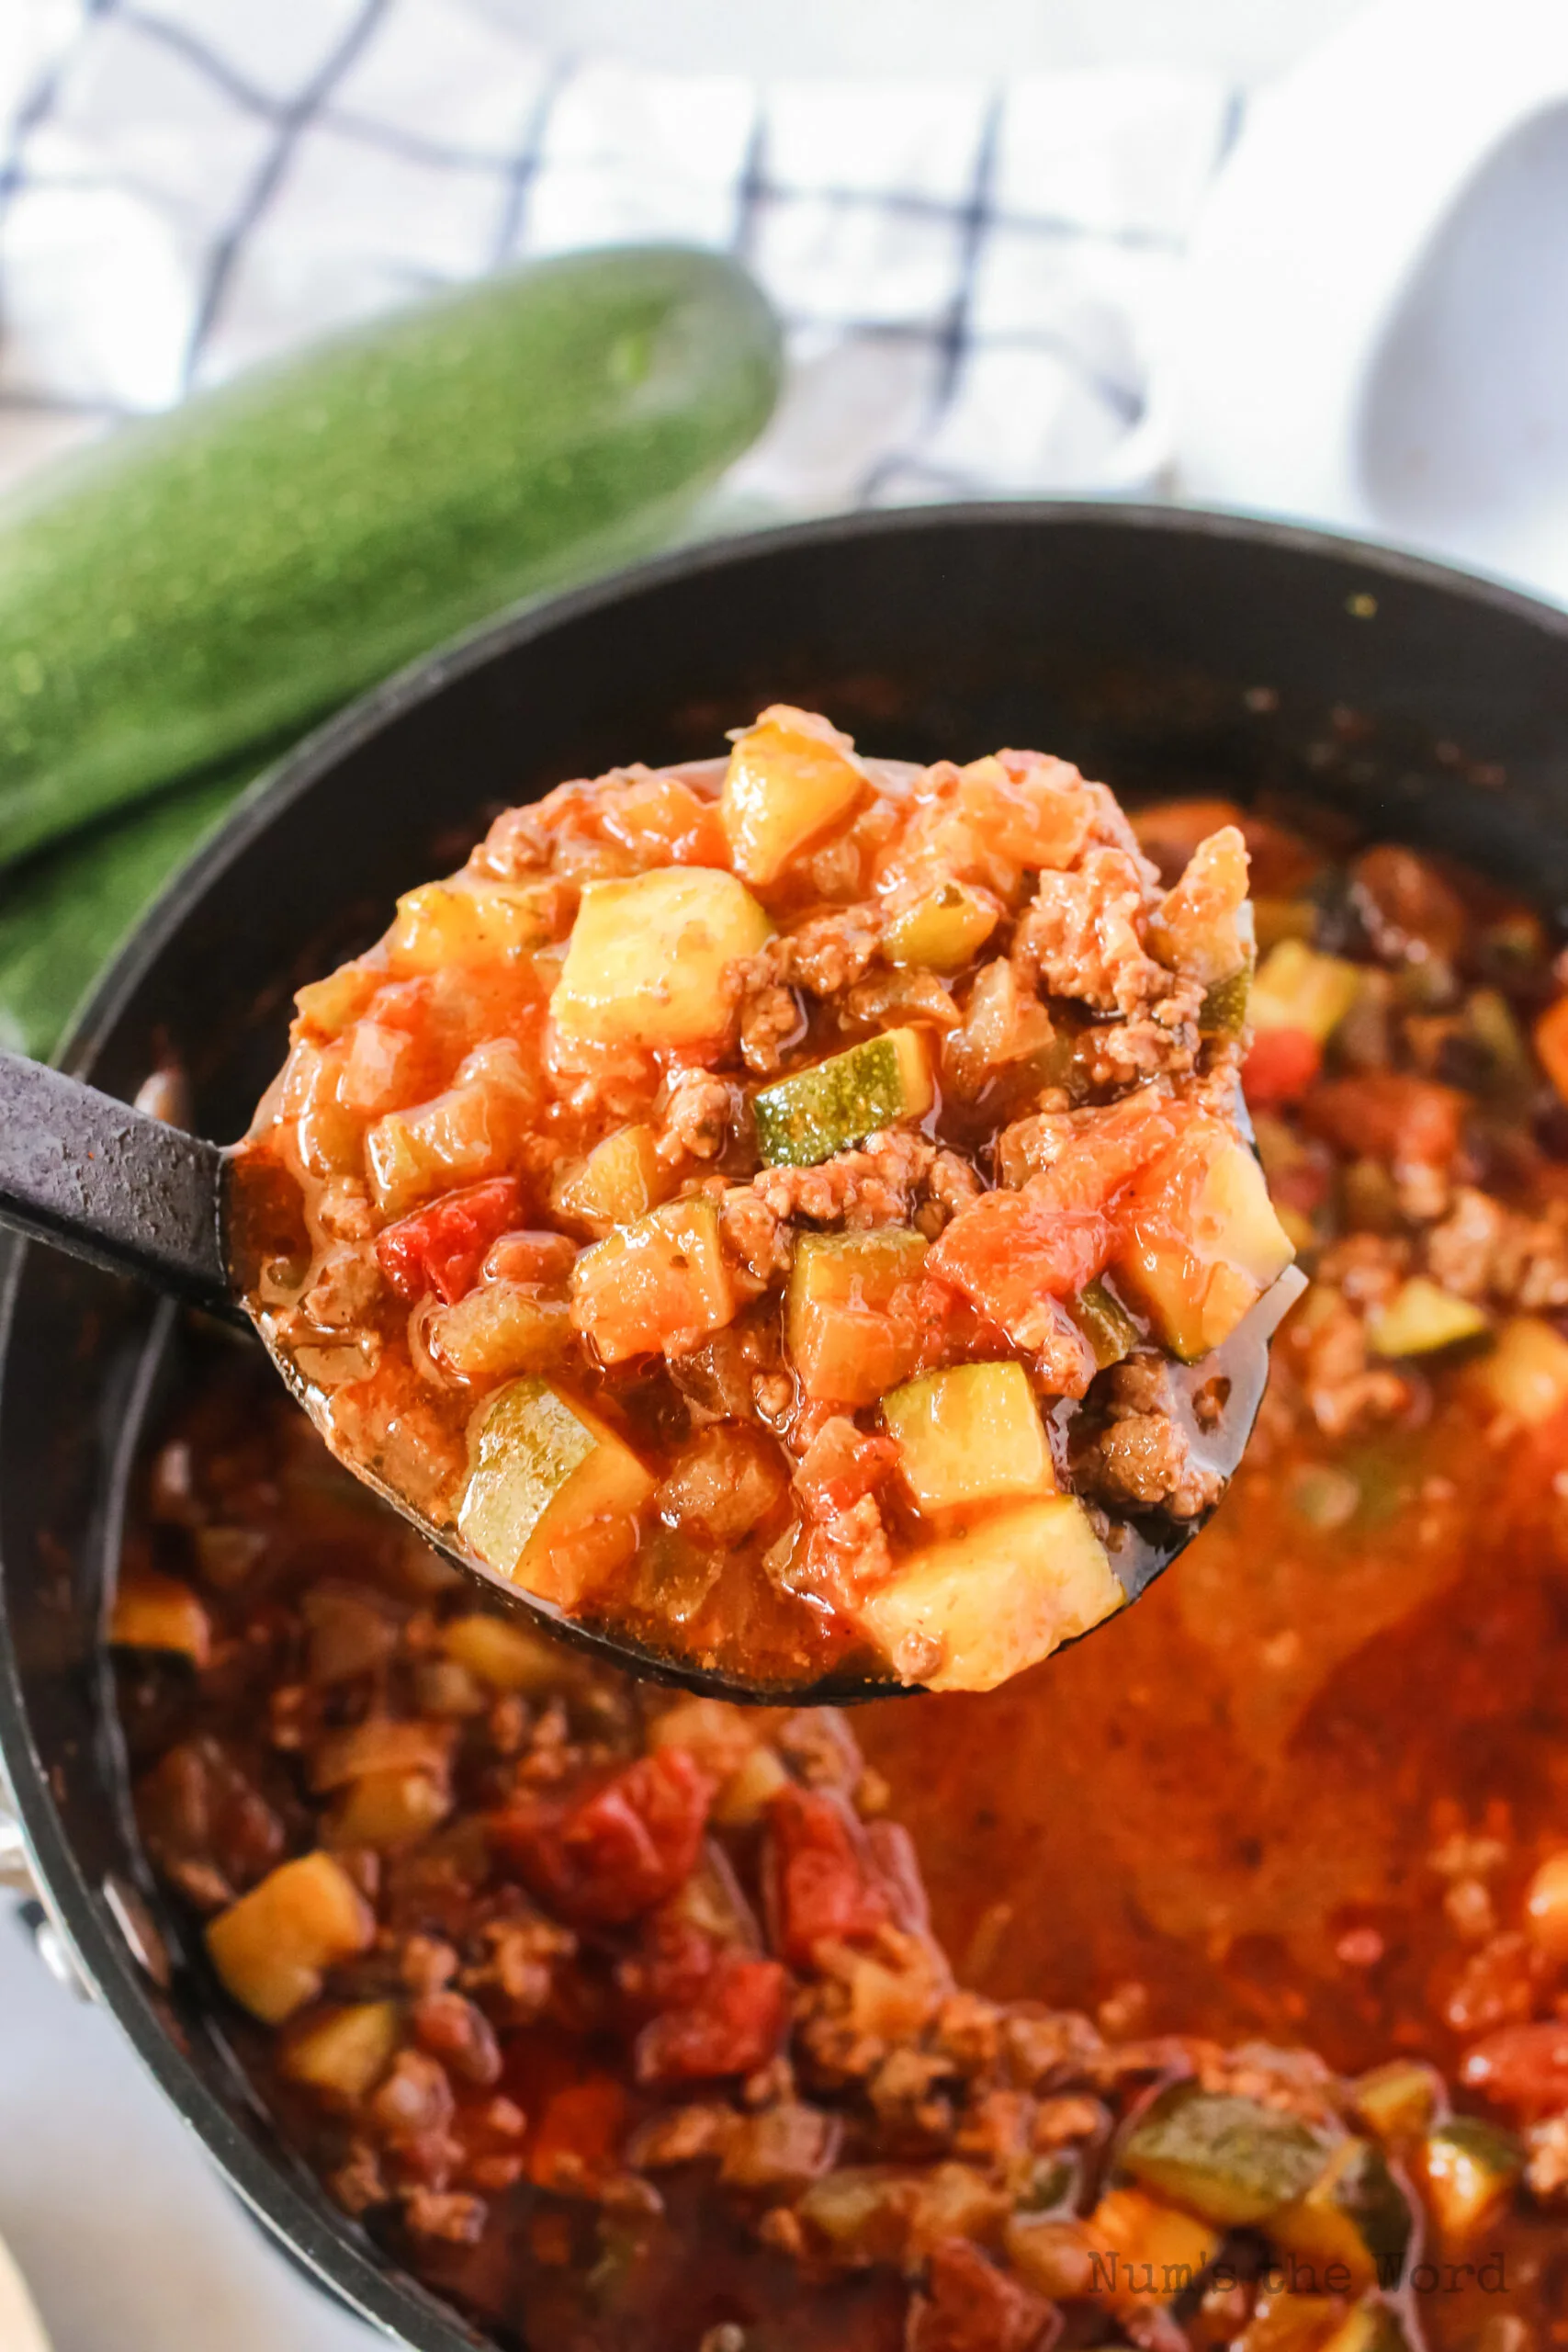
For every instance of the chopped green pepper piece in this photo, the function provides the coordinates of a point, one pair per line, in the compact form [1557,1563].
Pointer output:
[1105,1323]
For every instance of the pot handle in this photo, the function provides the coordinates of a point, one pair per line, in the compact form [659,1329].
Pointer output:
[92,1176]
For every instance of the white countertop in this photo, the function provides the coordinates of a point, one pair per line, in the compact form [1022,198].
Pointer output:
[124,2233]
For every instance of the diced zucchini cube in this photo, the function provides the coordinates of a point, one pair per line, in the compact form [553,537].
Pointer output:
[843,1332]
[1355,2214]
[466,923]
[343,2052]
[1469,2169]
[620,1180]
[154,1611]
[647,960]
[970,1435]
[1525,1374]
[1296,988]
[790,777]
[545,1467]
[271,1946]
[945,929]
[1397,2100]
[662,1280]
[837,1103]
[1202,1241]
[506,1655]
[1370,2326]
[1161,2251]
[968,1612]
[1420,1319]
[1232,2160]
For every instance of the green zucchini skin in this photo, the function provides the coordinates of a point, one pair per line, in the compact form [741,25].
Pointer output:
[221,575]
[64,913]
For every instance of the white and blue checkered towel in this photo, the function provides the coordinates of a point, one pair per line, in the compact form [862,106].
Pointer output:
[972,277]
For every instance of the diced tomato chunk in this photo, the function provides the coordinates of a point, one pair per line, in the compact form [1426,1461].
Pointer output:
[971,2306]
[578,2136]
[1006,1252]
[1522,2067]
[732,2027]
[442,1247]
[1280,1066]
[1384,1114]
[1009,1251]
[821,1881]
[606,1856]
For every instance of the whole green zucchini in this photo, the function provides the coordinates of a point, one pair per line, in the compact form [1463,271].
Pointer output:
[64,913]
[217,576]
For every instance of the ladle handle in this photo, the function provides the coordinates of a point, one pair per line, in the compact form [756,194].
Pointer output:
[105,1182]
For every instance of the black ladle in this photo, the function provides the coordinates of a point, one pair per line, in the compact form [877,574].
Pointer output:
[138,1196]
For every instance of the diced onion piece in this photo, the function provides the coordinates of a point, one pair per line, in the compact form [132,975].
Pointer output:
[790,777]
[808,1118]
[1202,927]
[1525,1374]
[500,1328]
[344,2051]
[546,1469]
[1201,1240]
[1422,1318]
[1295,987]
[844,1330]
[659,1280]
[969,1435]
[326,1007]
[152,1611]
[271,1946]
[620,1180]
[945,929]
[647,957]
[968,1612]
[468,923]
[471,1131]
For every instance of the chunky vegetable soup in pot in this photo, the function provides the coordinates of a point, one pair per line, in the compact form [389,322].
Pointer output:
[1205,1986]
[787,1208]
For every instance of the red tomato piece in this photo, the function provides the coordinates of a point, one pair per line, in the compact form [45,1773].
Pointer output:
[606,1856]
[971,2306]
[1522,2067]
[1383,1114]
[1008,1251]
[442,1246]
[578,2134]
[822,1886]
[733,2028]
[1280,1066]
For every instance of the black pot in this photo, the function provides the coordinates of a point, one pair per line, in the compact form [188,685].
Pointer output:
[1167,652]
